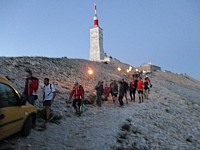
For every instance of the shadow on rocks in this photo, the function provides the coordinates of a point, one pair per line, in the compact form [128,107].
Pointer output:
[41,124]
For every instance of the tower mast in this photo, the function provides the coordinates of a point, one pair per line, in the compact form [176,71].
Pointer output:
[95,15]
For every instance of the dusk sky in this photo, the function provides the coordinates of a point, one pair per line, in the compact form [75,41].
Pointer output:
[163,32]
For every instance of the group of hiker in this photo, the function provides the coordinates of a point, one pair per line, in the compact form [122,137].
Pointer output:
[117,89]
[30,92]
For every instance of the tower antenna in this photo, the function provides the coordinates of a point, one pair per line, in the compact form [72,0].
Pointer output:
[95,15]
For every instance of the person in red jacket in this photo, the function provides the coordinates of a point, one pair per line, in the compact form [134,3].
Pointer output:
[78,95]
[30,88]
[140,88]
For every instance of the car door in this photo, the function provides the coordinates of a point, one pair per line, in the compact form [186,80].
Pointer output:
[11,116]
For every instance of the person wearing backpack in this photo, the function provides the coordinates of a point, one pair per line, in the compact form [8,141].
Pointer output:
[48,97]
[30,88]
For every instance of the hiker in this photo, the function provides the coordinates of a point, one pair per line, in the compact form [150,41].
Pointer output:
[48,98]
[30,88]
[99,93]
[146,88]
[114,89]
[121,93]
[135,83]
[106,91]
[140,87]
[125,84]
[132,89]
[149,82]
[111,87]
[78,94]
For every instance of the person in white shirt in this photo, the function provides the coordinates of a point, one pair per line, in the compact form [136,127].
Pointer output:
[48,97]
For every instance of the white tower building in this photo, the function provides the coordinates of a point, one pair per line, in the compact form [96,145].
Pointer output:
[96,40]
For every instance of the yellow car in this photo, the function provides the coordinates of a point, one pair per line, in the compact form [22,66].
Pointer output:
[15,114]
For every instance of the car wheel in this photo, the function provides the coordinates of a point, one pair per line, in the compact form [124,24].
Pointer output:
[27,127]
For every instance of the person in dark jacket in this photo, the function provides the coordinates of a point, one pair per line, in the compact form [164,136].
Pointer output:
[114,89]
[99,93]
[135,86]
[125,84]
[146,88]
[121,93]
[132,89]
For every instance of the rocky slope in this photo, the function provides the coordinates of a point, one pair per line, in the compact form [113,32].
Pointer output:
[170,119]
[61,71]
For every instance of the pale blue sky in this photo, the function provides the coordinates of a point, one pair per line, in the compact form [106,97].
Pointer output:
[164,32]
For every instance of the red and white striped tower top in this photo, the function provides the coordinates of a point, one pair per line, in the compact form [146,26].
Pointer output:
[95,15]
